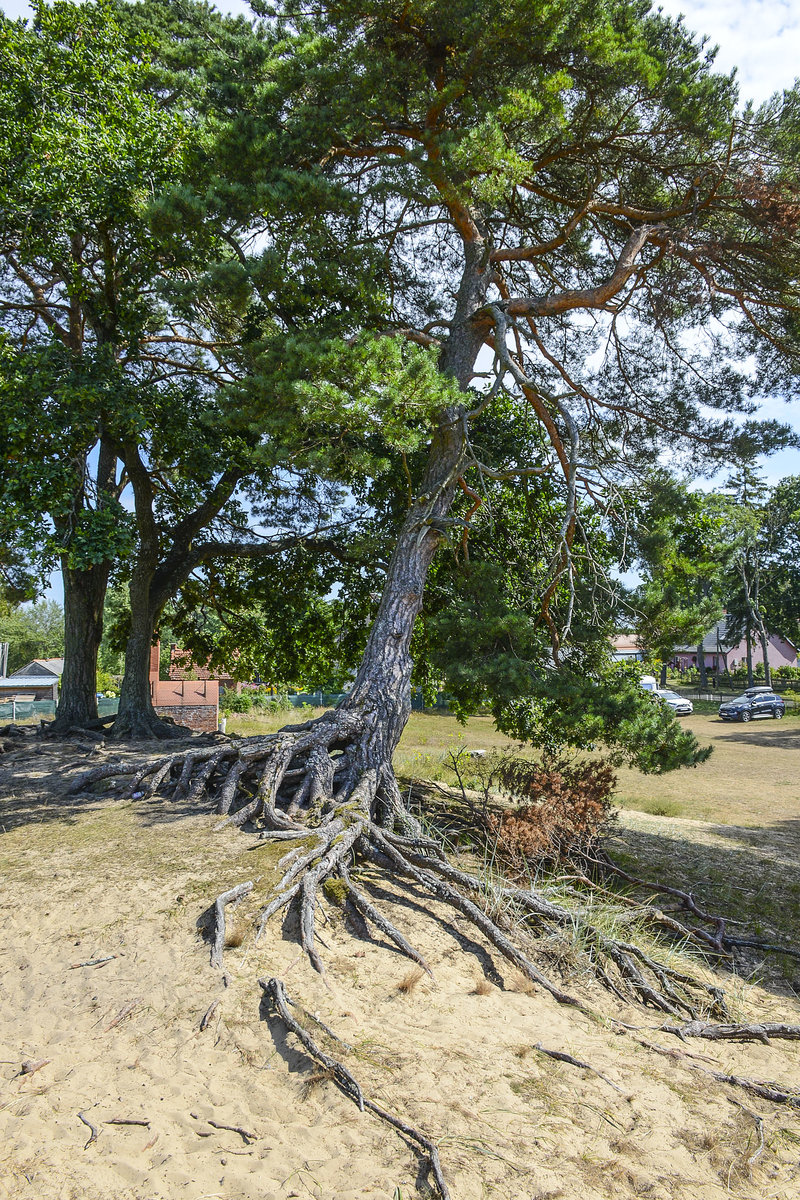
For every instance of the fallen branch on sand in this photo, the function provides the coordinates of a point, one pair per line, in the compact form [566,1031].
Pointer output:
[94,1131]
[243,1133]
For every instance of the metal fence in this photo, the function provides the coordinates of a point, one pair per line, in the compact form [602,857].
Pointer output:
[316,699]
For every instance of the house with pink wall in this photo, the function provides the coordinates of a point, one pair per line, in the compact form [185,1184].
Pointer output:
[724,653]
[193,703]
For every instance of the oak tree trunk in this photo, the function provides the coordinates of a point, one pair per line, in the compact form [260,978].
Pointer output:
[84,595]
[136,716]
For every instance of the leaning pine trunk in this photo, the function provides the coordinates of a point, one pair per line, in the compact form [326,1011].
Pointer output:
[381,693]
[84,595]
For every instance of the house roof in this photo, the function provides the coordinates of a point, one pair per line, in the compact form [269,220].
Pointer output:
[16,681]
[181,666]
[41,666]
[181,692]
[716,641]
[626,642]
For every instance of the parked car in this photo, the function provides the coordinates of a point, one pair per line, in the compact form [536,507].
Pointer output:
[755,702]
[679,704]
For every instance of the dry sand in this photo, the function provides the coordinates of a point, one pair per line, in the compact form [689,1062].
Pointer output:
[89,879]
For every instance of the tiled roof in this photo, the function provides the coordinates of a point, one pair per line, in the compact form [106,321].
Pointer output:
[715,641]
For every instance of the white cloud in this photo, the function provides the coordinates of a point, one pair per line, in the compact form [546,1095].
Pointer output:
[761,38]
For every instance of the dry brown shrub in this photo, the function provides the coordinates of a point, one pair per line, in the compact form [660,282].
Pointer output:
[564,809]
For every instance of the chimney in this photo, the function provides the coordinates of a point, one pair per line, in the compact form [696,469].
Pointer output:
[155,656]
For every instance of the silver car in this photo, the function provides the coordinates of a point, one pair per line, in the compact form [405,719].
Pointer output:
[679,704]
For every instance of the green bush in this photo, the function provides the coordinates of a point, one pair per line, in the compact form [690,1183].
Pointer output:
[231,702]
[264,701]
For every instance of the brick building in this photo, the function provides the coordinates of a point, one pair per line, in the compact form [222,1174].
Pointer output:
[190,702]
[181,667]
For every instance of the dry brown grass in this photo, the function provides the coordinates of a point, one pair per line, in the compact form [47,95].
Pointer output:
[752,778]
[410,980]
[482,988]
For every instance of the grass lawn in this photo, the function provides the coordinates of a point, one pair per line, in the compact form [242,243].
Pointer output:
[751,779]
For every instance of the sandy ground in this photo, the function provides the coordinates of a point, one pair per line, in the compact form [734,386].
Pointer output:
[93,879]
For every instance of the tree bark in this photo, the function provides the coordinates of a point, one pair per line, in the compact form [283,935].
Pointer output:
[382,688]
[136,716]
[84,595]
[749,644]
[701,666]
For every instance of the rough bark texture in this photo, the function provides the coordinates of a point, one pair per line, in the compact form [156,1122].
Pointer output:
[84,595]
[136,717]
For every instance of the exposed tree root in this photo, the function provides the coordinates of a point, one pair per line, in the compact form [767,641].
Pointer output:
[762,1032]
[776,1093]
[230,897]
[326,789]
[718,940]
[327,786]
[561,1056]
[275,993]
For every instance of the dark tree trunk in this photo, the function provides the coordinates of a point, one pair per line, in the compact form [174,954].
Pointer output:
[701,666]
[136,716]
[84,595]
[749,644]
[662,679]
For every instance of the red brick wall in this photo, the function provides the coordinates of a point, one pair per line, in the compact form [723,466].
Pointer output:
[202,717]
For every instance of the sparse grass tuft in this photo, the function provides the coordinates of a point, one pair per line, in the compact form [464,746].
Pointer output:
[410,980]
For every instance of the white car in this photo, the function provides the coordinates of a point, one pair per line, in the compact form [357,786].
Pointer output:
[679,705]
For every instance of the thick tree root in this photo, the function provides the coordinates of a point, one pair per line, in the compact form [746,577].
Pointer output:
[762,1032]
[275,994]
[230,897]
[327,785]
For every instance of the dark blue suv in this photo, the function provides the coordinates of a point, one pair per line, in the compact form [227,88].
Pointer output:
[755,702]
